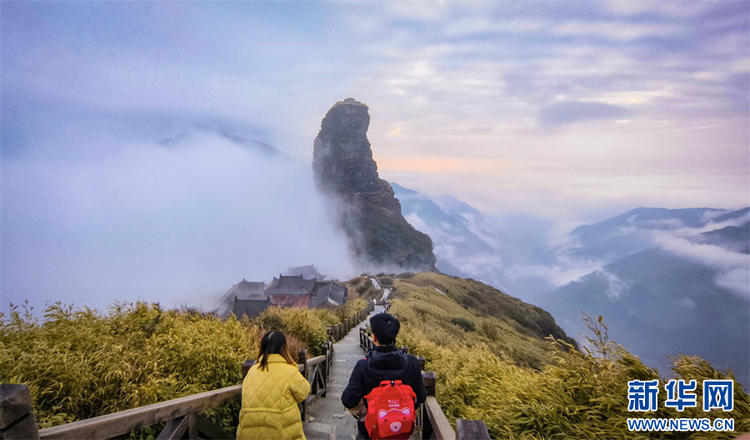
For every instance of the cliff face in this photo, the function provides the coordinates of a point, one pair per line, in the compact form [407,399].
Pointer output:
[368,211]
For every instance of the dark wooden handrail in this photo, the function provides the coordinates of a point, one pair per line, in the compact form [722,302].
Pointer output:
[440,427]
[123,422]
[315,361]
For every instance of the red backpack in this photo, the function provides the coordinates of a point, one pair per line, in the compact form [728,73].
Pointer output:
[390,410]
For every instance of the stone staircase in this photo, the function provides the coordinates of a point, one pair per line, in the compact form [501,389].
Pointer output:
[328,419]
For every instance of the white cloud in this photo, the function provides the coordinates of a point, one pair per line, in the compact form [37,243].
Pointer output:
[736,280]
[678,231]
[614,30]
[565,271]
[733,267]
[687,302]
[479,25]
[617,287]
[674,8]
[418,11]
[417,64]
[170,224]
[664,223]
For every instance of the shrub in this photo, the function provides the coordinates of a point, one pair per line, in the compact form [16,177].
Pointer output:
[79,363]
[270,320]
[350,307]
[327,317]
[302,324]
[356,280]
[489,330]
[365,287]
[464,323]
[582,394]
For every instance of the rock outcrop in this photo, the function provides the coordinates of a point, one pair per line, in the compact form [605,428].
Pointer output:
[367,209]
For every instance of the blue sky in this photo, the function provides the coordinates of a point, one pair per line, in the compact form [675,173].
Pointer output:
[572,110]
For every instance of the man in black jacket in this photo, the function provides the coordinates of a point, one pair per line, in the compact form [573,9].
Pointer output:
[384,362]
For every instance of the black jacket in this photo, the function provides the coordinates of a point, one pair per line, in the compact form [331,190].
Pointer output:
[385,362]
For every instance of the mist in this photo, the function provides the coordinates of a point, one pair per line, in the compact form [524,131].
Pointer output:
[100,219]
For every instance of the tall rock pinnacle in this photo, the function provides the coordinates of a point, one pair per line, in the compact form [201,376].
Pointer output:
[368,211]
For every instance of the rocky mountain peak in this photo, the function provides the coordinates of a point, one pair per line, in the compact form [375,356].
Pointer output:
[368,211]
[342,157]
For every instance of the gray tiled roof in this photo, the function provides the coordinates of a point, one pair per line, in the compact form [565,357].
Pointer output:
[309,272]
[338,293]
[249,307]
[290,285]
[328,292]
[247,290]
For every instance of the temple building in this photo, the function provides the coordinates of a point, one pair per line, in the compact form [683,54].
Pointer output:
[301,287]
[248,290]
[291,291]
[308,272]
[249,307]
[328,294]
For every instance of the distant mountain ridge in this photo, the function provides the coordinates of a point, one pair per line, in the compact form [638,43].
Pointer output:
[667,281]
[447,221]
[633,231]
[661,294]
[197,129]
[736,238]
[465,244]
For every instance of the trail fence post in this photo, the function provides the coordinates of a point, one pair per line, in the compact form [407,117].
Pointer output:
[471,430]
[324,352]
[429,378]
[303,362]
[17,420]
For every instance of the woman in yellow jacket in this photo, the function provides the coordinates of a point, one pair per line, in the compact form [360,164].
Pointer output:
[270,393]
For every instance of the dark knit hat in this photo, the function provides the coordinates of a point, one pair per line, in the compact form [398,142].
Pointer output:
[385,327]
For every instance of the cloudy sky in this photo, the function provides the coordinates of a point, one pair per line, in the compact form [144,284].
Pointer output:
[572,110]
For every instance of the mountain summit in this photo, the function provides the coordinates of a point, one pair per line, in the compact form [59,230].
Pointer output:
[197,130]
[368,211]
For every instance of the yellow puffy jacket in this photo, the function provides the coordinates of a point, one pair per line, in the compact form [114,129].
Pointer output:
[269,401]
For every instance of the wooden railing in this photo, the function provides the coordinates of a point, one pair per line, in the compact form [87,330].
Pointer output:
[431,421]
[17,420]
[180,414]
[316,372]
[338,331]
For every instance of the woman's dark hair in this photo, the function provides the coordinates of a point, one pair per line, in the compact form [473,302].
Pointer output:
[274,342]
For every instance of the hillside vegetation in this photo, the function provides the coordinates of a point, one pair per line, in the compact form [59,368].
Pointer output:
[449,311]
[523,386]
[80,363]
[490,352]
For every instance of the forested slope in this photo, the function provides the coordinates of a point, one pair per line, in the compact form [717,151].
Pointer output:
[494,364]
